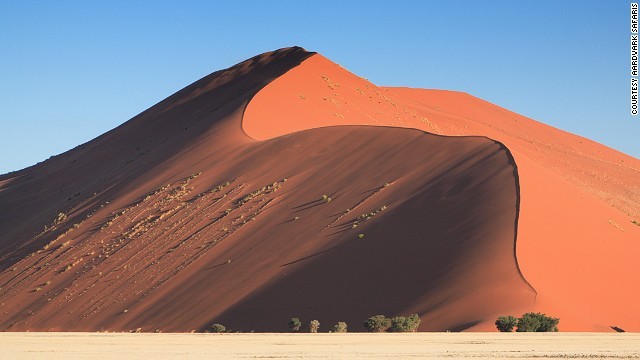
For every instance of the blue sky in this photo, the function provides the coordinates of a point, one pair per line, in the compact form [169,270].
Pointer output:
[72,70]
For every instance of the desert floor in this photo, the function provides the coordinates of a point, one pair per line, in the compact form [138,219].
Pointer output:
[319,346]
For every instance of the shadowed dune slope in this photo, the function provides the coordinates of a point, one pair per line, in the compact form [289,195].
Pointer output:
[177,219]
[576,242]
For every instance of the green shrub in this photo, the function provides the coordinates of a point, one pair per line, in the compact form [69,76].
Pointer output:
[548,324]
[506,323]
[537,322]
[377,323]
[295,324]
[405,323]
[529,322]
[340,327]
[314,325]
[217,328]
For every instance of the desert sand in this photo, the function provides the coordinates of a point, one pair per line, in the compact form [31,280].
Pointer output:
[286,186]
[320,346]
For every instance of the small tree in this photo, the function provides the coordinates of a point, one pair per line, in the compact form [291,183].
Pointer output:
[405,323]
[217,328]
[548,324]
[377,323]
[295,324]
[537,322]
[314,325]
[340,327]
[506,323]
[414,322]
[529,322]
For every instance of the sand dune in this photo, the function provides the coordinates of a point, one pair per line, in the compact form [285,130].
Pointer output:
[576,239]
[240,200]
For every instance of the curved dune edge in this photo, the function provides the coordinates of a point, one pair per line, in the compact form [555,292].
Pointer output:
[552,165]
[265,131]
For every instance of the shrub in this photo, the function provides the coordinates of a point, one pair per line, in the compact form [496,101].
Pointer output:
[61,216]
[529,322]
[217,328]
[377,323]
[548,324]
[314,325]
[340,327]
[405,323]
[537,322]
[506,323]
[295,324]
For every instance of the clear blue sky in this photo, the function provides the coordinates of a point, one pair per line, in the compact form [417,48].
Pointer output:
[71,70]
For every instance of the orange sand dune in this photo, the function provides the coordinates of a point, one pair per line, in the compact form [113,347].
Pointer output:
[576,242]
[239,200]
[177,219]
